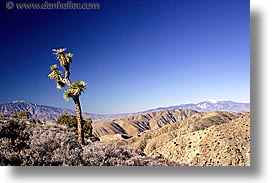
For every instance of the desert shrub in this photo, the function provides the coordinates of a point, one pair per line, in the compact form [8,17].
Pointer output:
[87,127]
[71,122]
[23,114]
[35,121]
[34,145]
[14,138]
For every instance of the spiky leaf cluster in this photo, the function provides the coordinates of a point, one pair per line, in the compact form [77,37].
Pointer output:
[59,52]
[69,57]
[64,59]
[53,67]
[67,94]
[74,90]
[57,75]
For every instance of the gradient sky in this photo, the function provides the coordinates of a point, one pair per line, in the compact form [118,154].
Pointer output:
[134,55]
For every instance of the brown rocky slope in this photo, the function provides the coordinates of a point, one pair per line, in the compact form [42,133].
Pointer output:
[202,139]
[136,124]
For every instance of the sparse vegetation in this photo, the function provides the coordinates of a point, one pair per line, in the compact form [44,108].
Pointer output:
[71,122]
[34,145]
[23,114]
[74,89]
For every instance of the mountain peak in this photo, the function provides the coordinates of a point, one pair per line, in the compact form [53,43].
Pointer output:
[21,101]
[213,101]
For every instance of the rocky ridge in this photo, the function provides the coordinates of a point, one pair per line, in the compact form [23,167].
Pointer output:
[203,139]
[134,125]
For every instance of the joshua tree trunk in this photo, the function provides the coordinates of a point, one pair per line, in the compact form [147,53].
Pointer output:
[79,121]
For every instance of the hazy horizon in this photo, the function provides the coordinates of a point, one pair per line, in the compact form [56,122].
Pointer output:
[73,108]
[134,55]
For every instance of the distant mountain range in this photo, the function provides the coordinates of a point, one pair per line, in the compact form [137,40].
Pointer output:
[209,105]
[49,113]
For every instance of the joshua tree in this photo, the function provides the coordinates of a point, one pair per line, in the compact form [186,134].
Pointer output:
[74,89]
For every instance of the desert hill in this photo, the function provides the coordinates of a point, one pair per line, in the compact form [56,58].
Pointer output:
[136,124]
[202,139]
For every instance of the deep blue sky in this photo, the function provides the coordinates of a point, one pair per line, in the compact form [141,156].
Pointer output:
[134,55]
